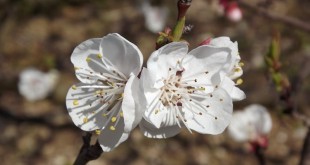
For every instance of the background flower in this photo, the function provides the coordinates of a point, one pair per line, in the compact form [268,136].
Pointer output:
[35,85]
[251,124]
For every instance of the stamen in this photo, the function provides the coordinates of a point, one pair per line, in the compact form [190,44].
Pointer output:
[239,81]
[75,102]
[98,132]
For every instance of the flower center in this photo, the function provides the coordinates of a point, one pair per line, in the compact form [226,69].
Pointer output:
[171,89]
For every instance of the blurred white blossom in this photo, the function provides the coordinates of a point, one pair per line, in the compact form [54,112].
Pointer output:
[155,17]
[187,89]
[252,124]
[107,99]
[36,85]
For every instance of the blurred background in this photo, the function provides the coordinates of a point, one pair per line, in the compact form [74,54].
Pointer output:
[42,34]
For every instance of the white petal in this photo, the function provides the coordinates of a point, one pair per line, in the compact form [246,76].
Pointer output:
[250,124]
[86,60]
[131,106]
[123,55]
[235,93]
[166,57]
[215,115]
[84,108]
[109,139]
[205,59]
[35,85]
[260,116]
[155,17]
[239,128]
[150,131]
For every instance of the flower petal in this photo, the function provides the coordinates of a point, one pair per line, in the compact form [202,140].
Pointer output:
[213,114]
[166,57]
[239,128]
[150,131]
[109,139]
[121,54]
[131,106]
[205,59]
[260,117]
[84,108]
[86,60]
[235,93]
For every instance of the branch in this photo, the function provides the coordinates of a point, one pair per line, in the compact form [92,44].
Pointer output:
[88,152]
[305,154]
[259,153]
[284,19]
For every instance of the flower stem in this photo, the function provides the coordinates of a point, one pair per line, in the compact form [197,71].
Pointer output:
[88,152]
[259,153]
[183,5]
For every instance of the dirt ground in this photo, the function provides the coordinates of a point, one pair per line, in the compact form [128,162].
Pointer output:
[42,34]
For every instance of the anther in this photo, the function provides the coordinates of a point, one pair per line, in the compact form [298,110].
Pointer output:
[85,120]
[88,59]
[239,81]
[112,128]
[75,102]
[113,119]
[98,132]
[74,87]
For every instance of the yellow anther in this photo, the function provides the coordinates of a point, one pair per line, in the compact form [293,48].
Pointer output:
[98,92]
[121,114]
[73,87]
[99,55]
[88,59]
[113,119]
[104,115]
[112,128]
[239,81]
[98,132]
[75,102]
[237,69]
[76,68]
[156,111]
[202,88]
[122,95]
[111,83]
[85,120]
[241,64]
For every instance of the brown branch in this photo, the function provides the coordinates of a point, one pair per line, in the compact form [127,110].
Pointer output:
[88,152]
[284,19]
[259,154]
[305,154]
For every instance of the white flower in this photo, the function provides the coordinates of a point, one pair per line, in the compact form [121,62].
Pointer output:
[35,85]
[106,100]
[184,89]
[250,124]
[155,17]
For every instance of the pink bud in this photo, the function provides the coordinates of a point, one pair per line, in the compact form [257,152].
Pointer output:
[205,42]
[233,12]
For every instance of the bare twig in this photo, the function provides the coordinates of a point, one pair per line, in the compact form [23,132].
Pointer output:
[88,152]
[305,154]
[284,19]
[259,153]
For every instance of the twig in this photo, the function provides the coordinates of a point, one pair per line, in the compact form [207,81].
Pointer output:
[259,153]
[284,19]
[305,154]
[88,152]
